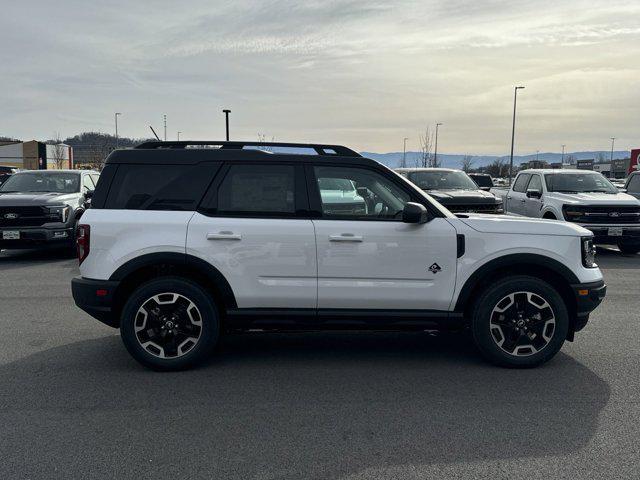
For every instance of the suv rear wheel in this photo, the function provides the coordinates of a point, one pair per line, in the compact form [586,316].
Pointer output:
[169,324]
[520,322]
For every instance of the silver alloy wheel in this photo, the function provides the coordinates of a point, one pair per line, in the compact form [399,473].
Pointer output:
[522,323]
[168,325]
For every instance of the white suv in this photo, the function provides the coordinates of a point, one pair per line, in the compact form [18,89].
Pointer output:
[184,242]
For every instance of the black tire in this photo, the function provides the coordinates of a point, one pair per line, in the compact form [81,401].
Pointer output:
[532,348]
[629,248]
[188,294]
[549,216]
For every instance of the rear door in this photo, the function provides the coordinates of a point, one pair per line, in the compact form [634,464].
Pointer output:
[252,228]
[516,197]
[367,257]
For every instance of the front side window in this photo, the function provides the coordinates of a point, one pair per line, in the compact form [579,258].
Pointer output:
[358,193]
[58,182]
[634,184]
[535,183]
[578,183]
[159,187]
[258,190]
[442,180]
[521,182]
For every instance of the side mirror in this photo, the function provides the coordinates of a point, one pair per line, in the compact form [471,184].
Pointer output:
[534,193]
[485,189]
[415,213]
[88,194]
[362,192]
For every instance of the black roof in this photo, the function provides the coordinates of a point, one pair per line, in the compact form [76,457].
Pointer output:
[191,152]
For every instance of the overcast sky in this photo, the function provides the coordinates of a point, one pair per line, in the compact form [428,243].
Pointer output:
[362,73]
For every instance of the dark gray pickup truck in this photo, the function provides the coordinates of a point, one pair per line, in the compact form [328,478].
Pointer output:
[42,207]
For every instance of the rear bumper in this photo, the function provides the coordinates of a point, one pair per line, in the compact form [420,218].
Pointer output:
[588,297]
[96,298]
[31,237]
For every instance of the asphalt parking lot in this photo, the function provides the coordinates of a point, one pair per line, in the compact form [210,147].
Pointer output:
[73,404]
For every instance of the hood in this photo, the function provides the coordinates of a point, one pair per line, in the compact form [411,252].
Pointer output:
[341,196]
[594,198]
[451,197]
[35,199]
[522,225]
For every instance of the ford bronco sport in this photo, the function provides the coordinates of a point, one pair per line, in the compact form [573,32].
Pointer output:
[189,240]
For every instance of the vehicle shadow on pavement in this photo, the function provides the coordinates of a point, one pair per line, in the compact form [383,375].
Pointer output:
[613,258]
[21,258]
[294,406]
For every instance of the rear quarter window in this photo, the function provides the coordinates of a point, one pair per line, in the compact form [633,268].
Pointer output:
[159,187]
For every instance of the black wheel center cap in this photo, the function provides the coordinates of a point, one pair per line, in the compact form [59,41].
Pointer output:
[521,323]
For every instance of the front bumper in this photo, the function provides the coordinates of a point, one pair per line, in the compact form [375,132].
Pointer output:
[36,236]
[588,297]
[96,298]
[601,233]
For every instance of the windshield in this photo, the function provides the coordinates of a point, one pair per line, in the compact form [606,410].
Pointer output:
[578,183]
[442,180]
[482,180]
[336,184]
[60,182]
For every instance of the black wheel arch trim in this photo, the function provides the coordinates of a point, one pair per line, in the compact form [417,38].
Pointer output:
[187,261]
[511,261]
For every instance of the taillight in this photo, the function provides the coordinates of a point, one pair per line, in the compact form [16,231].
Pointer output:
[83,242]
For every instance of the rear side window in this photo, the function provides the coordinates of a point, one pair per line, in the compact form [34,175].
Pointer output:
[159,187]
[258,190]
[521,182]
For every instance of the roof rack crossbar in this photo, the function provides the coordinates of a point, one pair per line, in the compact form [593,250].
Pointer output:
[320,149]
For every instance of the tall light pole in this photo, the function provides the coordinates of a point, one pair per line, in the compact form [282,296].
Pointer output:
[562,161]
[116,118]
[165,127]
[513,130]
[179,135]
[404,152]
[435,153]
[226,119]
[537,153]
[613,141]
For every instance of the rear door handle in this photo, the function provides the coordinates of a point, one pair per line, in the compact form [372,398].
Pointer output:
[224,235]
[522,200]
[345,237]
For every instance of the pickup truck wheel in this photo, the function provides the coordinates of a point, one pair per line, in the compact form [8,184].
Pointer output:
[520,322]
[629,248]
[169,324]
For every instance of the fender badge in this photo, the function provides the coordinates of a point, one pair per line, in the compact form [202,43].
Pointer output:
[435,268]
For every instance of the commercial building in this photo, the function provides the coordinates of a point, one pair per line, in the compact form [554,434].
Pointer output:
[34,155]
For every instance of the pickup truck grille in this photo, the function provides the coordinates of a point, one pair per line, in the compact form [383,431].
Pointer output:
[24,216]
[609,214]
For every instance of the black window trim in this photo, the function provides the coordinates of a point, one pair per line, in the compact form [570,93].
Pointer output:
[208,205]
[315,200]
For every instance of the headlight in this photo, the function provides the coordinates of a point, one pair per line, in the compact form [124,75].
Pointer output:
[499,207]
[588,252]
[60,213]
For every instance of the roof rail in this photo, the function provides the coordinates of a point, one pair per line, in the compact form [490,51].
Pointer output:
[320,149]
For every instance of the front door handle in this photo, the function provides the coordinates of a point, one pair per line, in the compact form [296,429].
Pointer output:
[522,200]
[224,235]
[345,237]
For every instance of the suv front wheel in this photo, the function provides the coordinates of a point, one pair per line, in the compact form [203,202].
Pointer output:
[519,322]
[169,323]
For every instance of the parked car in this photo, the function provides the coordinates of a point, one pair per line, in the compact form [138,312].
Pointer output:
[6,172]
[453,189]
[184,244]
[42,207]
[582,197]
[483,180]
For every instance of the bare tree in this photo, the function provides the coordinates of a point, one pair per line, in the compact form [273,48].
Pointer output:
[467,163]
[425,159]
[498,168]
[59,151]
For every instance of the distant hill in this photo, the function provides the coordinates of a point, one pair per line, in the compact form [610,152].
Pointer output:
[393,159]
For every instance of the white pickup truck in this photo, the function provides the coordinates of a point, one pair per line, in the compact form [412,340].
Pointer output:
[582,197]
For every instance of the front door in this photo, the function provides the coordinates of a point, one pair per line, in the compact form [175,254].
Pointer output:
[367,257]
[517,196]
